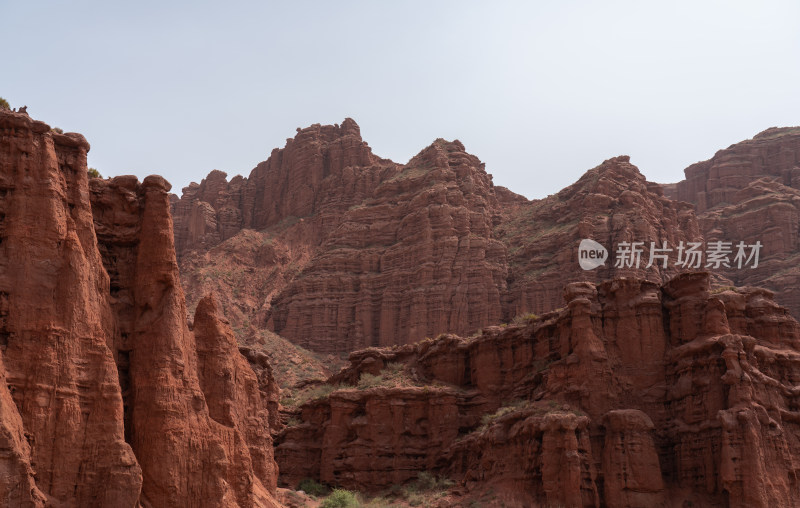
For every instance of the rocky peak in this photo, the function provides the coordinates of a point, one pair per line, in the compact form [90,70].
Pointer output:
[610,204]
[101,395]
[774,152]
[323,169]
[610,178]
[774,132]
[427,224]
[750,192]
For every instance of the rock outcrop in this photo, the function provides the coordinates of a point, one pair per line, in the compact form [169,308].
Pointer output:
[634,394]
[416,259]
[750,192]
[337,249]
[109,400]
[374,253]
[771,153]
[610,204]
[58,326]
[322,171]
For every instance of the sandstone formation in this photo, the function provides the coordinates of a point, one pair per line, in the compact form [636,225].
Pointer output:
[55,307]
[246,239]
[750,192]
[109,399]
[633,394]
[375,254]
[243,272]
[416,259]
[337,249]
[611,204]
[323,170]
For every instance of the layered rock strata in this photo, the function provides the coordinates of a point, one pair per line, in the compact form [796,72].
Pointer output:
[112,400]
[634,394]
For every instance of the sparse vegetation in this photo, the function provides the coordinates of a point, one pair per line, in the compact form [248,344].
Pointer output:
[313,488]
[58,130]
[377,502]
[315,392]
[488,418]
[524,319]
[722,289]
[4,104]
[423,491]
[393,375]
[320,392]
[409,172]
[93,173]
[368,380]
[426,481]
[341,498]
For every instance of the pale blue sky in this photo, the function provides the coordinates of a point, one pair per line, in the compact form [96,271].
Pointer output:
[540,91]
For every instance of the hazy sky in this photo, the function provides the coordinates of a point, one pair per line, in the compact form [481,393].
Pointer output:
[540,91]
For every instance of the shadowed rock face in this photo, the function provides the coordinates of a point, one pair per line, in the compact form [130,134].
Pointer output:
[388,254]
[611,204]
[415,259]
[634,394]
[323,170]
[358,251]
[350,250]
[109,399]
[750,192]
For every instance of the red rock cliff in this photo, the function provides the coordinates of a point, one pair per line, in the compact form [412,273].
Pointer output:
[416,259]
[323,170]
[358,251]
[634,394]
[611,204]
[105,404]
[750,192]
[341,249]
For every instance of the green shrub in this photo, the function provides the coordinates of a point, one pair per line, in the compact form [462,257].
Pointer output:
[425,490]
[368,380]
[524,319]
[93,173]
[321,391]
[313,488]
[340,498]
[427,481]
[507,408]
[4,104]
[58,130]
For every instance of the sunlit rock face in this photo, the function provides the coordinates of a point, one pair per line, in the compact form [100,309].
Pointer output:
[109,399]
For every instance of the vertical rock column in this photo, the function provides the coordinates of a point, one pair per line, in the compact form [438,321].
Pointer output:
[56,321]
[199,426]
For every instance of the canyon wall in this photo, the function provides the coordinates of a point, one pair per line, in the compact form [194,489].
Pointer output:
[634,394]
[337,249]
[375,253]
[750,192]
[109,398]
[416,259]
[610,204]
